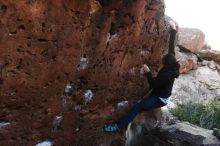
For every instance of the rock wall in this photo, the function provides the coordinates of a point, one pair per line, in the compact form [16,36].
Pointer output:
[65,64]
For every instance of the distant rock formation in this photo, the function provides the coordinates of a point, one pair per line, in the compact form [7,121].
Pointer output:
[200,85]
[200,79]
[210,55]
[191,39]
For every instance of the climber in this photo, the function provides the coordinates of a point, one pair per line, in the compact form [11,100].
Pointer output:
[161,89]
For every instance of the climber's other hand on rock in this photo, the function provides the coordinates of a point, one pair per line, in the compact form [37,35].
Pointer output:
[172,24]
[146,68]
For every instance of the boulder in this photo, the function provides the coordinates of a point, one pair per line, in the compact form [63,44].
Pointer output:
[210,55]
[206,46]
[200,85]
[191,39]
[186,59]
[218,67]
[174,133]
[211,64]
[185,134]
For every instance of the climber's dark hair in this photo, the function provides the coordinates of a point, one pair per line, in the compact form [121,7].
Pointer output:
[170,61]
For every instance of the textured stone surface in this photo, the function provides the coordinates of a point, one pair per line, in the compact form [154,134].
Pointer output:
[98,45]
[191,39]
[143,124]
[171,134]
[187,60]
[201,85]
[185,134]
[210,55]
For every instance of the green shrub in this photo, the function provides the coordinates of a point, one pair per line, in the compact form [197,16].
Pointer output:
[203,115]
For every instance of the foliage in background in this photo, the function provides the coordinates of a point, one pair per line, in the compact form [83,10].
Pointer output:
[203,115]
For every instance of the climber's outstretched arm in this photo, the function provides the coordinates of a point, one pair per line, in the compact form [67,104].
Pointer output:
[172,40]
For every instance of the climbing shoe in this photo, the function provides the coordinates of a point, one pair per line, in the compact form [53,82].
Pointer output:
[112,128]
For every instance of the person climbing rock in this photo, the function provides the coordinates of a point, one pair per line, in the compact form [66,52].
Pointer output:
[161,90]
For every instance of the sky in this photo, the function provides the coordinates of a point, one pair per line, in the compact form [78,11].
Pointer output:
[202,14]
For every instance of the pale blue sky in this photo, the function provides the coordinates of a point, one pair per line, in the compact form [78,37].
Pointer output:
[202,14]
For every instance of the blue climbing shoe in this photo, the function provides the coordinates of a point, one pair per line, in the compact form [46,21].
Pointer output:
[112,128]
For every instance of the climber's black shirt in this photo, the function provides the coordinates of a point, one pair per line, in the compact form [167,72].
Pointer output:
[162,85]
[172,41]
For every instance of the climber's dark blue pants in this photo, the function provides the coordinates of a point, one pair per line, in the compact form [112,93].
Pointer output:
[146,104]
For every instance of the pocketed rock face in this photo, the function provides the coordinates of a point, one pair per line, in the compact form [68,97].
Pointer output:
[98,45]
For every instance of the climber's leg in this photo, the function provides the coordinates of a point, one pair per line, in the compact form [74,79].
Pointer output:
[146,104]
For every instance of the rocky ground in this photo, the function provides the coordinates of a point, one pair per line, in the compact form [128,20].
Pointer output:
[172,134]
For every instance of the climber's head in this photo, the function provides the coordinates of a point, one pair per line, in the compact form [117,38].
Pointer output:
[170,61]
